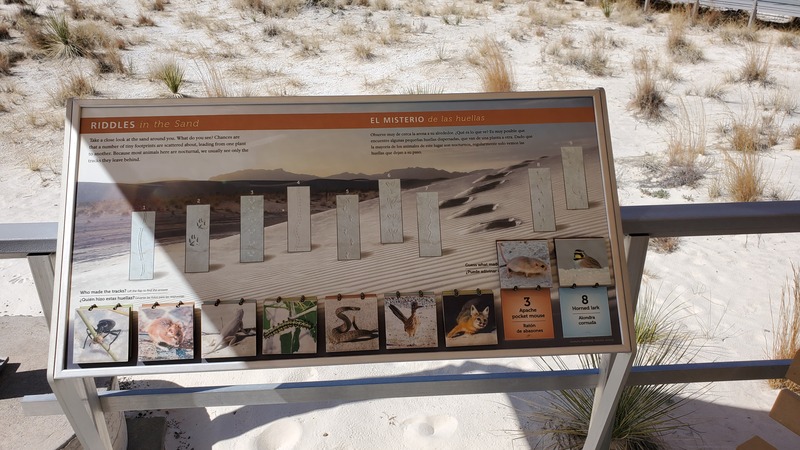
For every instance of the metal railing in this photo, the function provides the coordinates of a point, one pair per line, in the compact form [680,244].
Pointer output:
[37,242]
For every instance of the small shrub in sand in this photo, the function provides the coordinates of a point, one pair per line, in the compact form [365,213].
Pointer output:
[143,20]
[171,73]
[648,98]
[494,69]
[786,330]
[743,176]
[756,64]
[593,60]
[75,85]
[422,89]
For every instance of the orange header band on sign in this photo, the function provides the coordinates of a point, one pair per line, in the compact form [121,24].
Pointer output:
[332,121]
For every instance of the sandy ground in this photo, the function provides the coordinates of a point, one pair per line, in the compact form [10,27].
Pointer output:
[727,286]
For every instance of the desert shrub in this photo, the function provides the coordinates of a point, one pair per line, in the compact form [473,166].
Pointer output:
[736,33]
[755,66]
[5,63]
[790,40]
[90,36]
[381,5]
[743,176]
[593,60]
[630,13]
[494,69]
[171,73]
[645,414]
[75,85]
[271,8]
[648,96]
[786,330]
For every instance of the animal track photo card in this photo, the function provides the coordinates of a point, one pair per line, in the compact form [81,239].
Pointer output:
[583,262]
[166,331]
[469,318]
[410,320]
[228,329]
[524,264]
[351,323]
[101,334]
[290,326]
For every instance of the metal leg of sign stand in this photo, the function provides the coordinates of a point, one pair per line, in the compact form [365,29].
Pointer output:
[615,368]
[77,396]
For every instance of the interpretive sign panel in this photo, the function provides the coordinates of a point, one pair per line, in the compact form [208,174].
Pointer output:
[253,233]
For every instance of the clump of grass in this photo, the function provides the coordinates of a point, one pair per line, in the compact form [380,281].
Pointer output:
[381,5]
[736,33]
[630,13]
[786,331]
[75,85]
[271,8]
[423,89]
[794,135]
[648,97]
[752,131]
[593,61]
[5,63]
[665,244]
[171,73]
[158,5]
[495,70]
[686,144]
[678,45]
[607,6]
[645,414]
[756,64]
[213,80]
[143,20]
[109,61]
[5,34]
[790,40]
[363,51]
[743,176]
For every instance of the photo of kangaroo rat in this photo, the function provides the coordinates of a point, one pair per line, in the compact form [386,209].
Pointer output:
[524,264]
[166,331]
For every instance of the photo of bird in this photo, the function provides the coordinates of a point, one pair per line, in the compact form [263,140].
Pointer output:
[584,261]
[411,322]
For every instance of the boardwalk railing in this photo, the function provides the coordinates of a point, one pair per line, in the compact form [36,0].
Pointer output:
[37,242]
[768,9]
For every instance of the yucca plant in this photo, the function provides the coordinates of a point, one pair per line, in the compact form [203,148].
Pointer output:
[59,38]
[645,414]
[171,73]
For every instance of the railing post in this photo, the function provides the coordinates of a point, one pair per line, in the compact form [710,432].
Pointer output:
[753,13]
[42,269]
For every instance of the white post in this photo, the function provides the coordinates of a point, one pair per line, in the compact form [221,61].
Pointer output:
[753,13]
[615,368]
[43,278]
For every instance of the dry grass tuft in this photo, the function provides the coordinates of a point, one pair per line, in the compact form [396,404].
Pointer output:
[756,64]
[786,332]
[213,80]
[495,70]
[109,61]
[423,89]
[678,45]
[665,244]
[648,97]
[75,85]
[794,135]
[143,20]
[737,33]
[363,51]
[271,8]
[686,145]
[743,176]
[630,14]
[5,34]
[752,131]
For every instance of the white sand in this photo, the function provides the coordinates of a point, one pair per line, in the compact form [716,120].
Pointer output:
[728,285]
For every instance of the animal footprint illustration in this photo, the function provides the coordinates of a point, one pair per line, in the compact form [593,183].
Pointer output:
[193,241]
[201,224]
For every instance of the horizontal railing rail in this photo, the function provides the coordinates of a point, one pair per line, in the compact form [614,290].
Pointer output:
[20,240]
